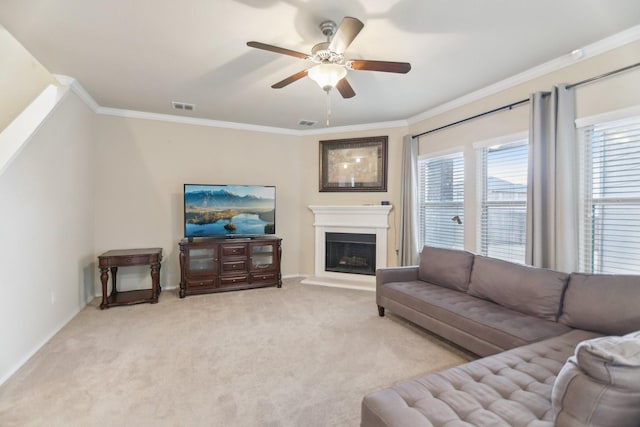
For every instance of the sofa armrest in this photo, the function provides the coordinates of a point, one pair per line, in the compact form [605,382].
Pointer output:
[396,274]
[393,274]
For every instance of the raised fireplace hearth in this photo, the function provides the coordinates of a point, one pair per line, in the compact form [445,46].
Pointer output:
[359,235]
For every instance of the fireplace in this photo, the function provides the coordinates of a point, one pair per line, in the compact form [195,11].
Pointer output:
[339,221]
[353,253]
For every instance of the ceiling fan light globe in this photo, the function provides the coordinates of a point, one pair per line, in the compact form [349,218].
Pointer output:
[327,76]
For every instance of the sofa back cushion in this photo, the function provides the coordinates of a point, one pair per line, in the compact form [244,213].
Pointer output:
[446,267]
[529,290]
[609,304]
[600,384]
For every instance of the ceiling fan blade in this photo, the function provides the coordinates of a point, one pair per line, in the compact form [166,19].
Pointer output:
[345,88]
[345,34]
[277,49]
[386,66]
[292,78]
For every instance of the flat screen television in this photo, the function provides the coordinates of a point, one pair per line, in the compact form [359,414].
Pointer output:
[229,210]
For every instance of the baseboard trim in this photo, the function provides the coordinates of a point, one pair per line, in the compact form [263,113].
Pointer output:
[339,283]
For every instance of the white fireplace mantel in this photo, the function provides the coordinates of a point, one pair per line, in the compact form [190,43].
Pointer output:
[365,219]
[369,216]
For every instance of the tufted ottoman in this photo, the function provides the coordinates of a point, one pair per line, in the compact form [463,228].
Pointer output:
[512,388]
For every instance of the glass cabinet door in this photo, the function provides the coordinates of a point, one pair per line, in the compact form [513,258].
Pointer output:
[262,256]
[202,260]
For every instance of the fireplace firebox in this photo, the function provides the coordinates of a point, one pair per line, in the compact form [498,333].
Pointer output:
[353,253]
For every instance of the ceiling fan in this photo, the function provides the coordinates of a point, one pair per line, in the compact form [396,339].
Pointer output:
[331,66]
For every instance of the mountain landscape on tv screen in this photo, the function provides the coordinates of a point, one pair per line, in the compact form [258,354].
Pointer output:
[224,199]
[220,211]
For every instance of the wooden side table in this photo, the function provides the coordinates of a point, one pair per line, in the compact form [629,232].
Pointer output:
[113,259]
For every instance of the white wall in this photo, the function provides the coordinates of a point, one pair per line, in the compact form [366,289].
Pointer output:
[141,166]
[47,251]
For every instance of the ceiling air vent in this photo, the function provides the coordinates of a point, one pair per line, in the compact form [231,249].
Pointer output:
[182,106]
[304,122]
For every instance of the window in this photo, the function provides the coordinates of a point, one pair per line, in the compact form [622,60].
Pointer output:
[503,201]
[441,197]
[609,238]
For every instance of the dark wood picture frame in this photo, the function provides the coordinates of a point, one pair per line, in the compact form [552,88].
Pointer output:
[354,164]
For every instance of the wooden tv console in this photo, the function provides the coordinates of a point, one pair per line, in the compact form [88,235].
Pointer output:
[227,264]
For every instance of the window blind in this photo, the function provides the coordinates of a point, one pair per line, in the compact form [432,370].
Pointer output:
[503,200]
[441,201]
[609,239]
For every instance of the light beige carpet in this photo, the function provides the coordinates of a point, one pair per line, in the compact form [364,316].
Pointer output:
[296,356]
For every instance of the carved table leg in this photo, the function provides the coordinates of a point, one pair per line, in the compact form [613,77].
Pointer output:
[183,283]
[104,278]
[155,282]
[114,274]
[279,285]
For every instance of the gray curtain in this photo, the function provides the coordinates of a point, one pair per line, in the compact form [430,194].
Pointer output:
[552,207]
[409,202]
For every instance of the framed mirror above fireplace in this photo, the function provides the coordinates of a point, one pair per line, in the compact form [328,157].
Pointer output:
[354,164]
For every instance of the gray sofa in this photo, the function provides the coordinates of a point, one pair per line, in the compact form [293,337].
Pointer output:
[551,341]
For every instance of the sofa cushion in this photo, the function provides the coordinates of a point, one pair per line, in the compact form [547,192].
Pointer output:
[600,384]
[508,389]
[529,290]
[446,267]
[603,303]
[485,320]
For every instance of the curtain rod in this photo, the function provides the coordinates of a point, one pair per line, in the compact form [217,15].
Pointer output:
[524,101]
[486,113]
[602,76]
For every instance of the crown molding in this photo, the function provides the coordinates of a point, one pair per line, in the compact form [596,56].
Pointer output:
[241,126]
[589,51]
[356,128]
[607,44]
[118,112]
[77,88]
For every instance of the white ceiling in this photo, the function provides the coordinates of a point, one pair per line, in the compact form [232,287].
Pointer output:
[143,54]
